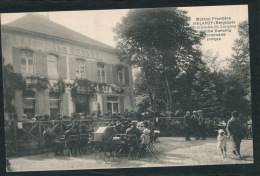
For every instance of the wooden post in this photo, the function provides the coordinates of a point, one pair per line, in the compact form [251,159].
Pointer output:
[15,135]
[61,128]
[40,133]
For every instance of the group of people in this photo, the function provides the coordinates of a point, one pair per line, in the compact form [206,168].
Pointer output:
[235,132]
[144,131]
[234,129]
[57,145]
[195,124]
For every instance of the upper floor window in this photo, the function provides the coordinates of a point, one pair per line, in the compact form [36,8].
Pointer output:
[120,75]
[52,66]
[101,72]
[80,68]
[27,62]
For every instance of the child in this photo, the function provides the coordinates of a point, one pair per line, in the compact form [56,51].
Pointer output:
[222,142]
[145,139]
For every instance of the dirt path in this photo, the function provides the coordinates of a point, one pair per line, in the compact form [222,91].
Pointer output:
[172,152]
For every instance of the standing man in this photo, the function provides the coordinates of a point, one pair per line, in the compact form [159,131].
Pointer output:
[235,132]
[195,124]
[202,125]
[187,121]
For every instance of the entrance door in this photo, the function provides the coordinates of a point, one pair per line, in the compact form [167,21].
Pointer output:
[82,104]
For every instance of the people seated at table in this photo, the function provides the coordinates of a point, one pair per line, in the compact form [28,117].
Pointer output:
[118,128]
[133,130]
[71,131]
[83,144]
[51,142]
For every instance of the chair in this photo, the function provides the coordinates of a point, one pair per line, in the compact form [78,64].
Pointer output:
[152,150]
[133,144]
[73,144]
[83,142]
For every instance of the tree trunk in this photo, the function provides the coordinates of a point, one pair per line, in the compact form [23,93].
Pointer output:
[169,98]
[150,93]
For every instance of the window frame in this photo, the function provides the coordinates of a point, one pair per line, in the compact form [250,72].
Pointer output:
[57,66]
[27,97]
[122,82]
[101,78]
[79,68]
[53,99]
[112,102]
[27,58]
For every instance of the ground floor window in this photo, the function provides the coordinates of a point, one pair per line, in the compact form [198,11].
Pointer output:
[54,105]
[112,104]
[29,103]
[82,104]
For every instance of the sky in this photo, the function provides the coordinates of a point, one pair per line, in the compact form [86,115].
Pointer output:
[99,24]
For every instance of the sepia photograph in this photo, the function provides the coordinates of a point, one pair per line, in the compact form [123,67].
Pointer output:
[127,88]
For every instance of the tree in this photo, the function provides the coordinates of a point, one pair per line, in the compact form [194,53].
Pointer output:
[204,94]
[162,44]
[239,73]
[240,61]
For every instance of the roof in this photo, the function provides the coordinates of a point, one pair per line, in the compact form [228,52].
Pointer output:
[38,24]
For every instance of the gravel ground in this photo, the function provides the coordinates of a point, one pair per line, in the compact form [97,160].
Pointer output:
[172,151]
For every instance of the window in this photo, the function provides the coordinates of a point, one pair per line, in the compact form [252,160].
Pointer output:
[27,62]
[52,66]
[101,72]
[54,105]
[29,103]
[120,75]
[80,68]
[112,104]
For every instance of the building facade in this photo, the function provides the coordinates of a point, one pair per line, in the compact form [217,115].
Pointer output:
[37,47]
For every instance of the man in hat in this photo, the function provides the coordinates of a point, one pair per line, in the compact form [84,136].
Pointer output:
[71,131]
[48,138]
[194,124]
[235,132]
[202,125]
[118,129]
[187,124]
[133,130]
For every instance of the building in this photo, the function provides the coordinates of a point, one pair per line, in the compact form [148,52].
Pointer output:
[37,47]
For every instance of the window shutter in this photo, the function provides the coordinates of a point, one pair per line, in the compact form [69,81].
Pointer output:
[114,70]
[109,76]
[72,67]
[64,105]
[126,70]
[16,52]
[41,63]
[122,105]
[92,70]
[18,102]
[104,103]
[86,69]
[62,67]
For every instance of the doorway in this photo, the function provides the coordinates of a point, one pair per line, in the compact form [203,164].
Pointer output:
[82,104]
